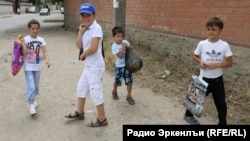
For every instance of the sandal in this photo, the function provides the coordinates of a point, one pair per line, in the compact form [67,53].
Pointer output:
[115,96]
[130,100]
[76,116]
[98,123]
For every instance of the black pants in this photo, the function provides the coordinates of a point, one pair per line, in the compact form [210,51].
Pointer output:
[216,87]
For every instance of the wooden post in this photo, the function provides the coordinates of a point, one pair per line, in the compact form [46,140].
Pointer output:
[119,17]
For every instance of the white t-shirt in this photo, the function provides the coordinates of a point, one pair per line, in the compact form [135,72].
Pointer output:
[96,59]
[32,58]
[210,52]
[120,62]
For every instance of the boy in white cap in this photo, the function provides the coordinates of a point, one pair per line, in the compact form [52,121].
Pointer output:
[90,38]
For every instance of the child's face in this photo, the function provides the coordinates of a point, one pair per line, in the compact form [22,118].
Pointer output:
[87,19]
[118,38]
[34,30]
[213,33]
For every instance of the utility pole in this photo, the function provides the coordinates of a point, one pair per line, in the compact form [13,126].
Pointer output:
[119,13]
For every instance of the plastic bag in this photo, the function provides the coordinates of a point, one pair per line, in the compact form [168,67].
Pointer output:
[133,62]
[17,58]
[195,98]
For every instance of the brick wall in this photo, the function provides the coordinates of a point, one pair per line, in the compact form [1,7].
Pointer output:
[178,17]
[188,17]
[103,11]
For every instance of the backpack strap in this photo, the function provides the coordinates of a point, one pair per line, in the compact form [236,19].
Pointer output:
[103,54]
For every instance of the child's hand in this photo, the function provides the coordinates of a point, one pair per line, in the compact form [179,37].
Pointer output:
[82,27]
[20,38]
[126,42]
[203,65]
[212,65]
[124,45]
[47,63]
[82,57]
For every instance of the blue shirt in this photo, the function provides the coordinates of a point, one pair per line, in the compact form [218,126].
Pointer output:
[120,62]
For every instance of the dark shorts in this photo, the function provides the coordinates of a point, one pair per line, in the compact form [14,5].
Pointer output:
[122,73]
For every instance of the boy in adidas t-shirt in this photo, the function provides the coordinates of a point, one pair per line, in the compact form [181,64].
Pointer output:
[213,54]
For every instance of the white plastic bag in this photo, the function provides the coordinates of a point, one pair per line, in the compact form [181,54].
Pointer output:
[195,98]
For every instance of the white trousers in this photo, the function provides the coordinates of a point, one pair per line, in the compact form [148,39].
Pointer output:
[91,83]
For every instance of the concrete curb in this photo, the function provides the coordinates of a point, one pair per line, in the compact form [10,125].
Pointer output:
[53,20]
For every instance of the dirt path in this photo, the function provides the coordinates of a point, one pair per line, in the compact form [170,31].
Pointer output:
[58,97]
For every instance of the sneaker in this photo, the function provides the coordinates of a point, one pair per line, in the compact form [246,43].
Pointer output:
[191,120]
[32,110]
[36,105]
[35,102]
[130,100]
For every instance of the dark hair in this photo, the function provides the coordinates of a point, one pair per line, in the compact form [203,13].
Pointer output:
[215,22]
[33,21]
[117,30]
[88,14]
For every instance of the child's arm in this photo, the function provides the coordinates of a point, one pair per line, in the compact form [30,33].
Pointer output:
[24,47]
[121,52]
[93,48]
[81,31]
[125,44]
[197,59]
[227,63]
[45,54]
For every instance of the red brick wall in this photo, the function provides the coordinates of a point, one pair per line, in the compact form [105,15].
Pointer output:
[178,17]
[104,8]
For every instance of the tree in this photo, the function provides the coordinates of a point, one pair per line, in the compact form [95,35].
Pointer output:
[54,1]
[16,5]
[35,2]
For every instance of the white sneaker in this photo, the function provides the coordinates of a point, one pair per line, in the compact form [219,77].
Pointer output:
[36,105]
[32,110]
